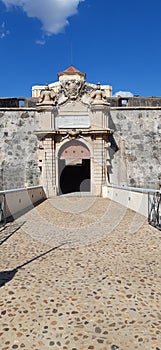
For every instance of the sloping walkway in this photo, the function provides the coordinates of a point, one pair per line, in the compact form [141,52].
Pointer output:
[77,274]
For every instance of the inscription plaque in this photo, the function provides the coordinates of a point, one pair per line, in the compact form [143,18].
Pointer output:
[72,121]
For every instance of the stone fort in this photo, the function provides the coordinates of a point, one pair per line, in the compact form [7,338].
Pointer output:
[74,136]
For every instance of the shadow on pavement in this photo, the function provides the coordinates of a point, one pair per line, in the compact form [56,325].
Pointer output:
[11,234]
[6,276]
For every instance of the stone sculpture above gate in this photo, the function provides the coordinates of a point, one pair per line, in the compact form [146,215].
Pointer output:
[72,89]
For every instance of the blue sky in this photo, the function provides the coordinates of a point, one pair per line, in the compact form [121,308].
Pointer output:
[114,42]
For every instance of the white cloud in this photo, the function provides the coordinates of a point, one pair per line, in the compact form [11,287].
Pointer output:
[3,31]
[53,14]
[40,41]
[124,94]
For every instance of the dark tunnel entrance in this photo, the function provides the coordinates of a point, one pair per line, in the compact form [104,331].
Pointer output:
[74,168]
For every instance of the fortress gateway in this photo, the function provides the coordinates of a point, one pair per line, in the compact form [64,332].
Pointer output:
[73,136]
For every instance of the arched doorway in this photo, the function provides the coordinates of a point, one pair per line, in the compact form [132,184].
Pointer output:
[74,167]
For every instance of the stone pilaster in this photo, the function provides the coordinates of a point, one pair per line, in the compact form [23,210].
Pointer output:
[46,117]
[100,115]
[48,170]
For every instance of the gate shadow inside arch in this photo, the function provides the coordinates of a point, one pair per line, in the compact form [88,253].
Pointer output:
[74,168]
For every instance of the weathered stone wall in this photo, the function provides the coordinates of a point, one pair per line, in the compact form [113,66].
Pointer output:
[18,149]
[138,137]
[135,157]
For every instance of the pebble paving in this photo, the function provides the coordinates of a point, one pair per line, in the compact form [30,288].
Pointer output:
[79,274]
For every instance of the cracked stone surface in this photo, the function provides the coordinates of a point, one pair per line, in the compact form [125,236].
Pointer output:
[80,274]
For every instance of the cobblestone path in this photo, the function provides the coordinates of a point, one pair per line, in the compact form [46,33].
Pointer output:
[79,274]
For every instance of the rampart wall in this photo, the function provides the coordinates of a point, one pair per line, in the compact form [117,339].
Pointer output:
[138,137]
[18,148]
[135,157]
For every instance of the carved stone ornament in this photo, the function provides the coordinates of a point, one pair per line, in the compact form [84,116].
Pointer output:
[72,134]
[98,96]
[73,89]
[47,96]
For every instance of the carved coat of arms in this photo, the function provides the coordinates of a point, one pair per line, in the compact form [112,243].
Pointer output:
[73,89]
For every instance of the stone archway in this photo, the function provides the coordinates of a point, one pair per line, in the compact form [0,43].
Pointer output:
[74,167]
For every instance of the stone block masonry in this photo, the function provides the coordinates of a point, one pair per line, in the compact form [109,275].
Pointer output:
[138,136]
[18,149]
